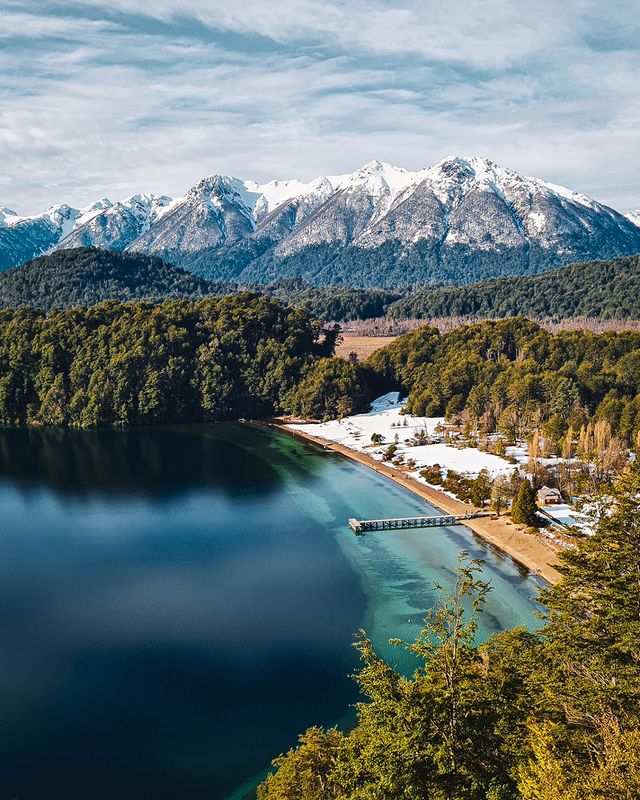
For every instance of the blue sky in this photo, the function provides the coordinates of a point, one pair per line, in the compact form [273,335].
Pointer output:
[124,96]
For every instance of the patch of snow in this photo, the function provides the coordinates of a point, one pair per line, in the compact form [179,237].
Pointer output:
[467,460]
[538,220]
[634,216]
[386,420]
[568,515]
[8,217]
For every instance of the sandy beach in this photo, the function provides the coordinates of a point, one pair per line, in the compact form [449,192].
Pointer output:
[531,551]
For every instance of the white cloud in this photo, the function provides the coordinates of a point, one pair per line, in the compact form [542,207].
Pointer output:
[152,96]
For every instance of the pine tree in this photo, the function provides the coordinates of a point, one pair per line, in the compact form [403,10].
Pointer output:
[594,623]
[524,507]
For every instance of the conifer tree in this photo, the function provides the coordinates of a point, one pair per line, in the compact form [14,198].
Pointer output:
[524,507]
[594,622]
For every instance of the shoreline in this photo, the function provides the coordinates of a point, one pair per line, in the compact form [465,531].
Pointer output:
[529,551]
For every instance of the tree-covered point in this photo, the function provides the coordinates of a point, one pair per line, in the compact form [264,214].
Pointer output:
[141,363]
[85,276]
[522,717]
[603,289]
[515,376]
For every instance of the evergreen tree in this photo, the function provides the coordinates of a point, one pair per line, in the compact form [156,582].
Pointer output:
[523,511]
[594,618]
[480,490]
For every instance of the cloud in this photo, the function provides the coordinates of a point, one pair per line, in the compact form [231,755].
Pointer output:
[132,96]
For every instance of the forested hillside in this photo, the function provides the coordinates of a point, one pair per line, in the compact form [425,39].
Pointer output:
[605,289]
[334,303]
[523,717]
[515,376]
[85,276]
[142,363]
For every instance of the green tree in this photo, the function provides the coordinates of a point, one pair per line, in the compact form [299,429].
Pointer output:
[594,617]
[305,772]
[331,387]
[480,490]
[524,509]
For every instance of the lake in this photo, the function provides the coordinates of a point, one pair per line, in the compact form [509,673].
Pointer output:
[177,604]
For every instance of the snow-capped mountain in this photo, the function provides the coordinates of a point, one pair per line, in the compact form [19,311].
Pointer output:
[634,216]
[216,211]
[22,238]
[114,226]
[459,220]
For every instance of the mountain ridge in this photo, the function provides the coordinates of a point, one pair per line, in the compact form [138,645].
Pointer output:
[460,220]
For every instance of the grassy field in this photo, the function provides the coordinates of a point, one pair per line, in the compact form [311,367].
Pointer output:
[362,346]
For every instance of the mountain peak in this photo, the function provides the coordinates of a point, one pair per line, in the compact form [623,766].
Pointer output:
[8,217]
[376,178]
[462,218]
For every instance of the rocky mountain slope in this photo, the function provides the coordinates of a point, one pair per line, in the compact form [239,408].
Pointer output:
[458,221]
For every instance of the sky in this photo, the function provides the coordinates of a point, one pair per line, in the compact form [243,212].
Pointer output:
[123,96]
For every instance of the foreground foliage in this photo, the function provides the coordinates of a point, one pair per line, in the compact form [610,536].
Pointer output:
[142,363]
[554,716]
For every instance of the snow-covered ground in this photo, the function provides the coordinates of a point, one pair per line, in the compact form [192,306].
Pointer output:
[385,419]
[568,515]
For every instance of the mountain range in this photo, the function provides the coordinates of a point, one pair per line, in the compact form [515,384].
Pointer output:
[462,220]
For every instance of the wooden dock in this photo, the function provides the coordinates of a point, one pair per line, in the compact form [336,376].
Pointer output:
[362,526]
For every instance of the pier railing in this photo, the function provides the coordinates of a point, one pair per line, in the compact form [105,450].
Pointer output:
[361,526]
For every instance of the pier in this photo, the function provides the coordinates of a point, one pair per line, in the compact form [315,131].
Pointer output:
[362,526]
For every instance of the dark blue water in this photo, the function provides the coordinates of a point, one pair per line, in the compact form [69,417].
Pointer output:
[177,604]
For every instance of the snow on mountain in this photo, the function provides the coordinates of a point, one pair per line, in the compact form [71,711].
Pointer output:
[476,203]
[215,212]
[114,226]
[634,216]
[25,237]
[8,217]
[458,220]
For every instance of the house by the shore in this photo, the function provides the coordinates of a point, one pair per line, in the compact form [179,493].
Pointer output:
[547,496]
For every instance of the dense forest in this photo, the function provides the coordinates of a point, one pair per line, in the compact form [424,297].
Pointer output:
[514,376]
[247,355]
[85,276]
[604,289]
[334,303]
[140,363]
[547,716]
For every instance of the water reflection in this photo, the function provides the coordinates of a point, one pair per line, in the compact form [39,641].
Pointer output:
[177,604]
[163,462]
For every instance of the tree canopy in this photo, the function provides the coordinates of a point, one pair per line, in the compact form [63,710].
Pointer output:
[514,376]
[141,363]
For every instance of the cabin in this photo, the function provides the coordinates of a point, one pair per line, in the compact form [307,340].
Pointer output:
[549,497]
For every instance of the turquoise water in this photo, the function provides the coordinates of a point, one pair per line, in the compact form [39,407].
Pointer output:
[176,604]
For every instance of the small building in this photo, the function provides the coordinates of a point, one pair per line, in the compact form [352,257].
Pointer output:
[549,497]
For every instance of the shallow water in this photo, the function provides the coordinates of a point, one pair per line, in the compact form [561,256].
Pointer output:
[176,604]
